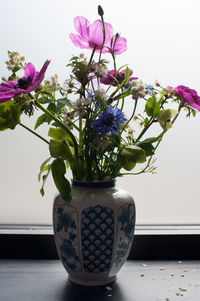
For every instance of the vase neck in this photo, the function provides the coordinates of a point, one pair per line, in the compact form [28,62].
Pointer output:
[94,184]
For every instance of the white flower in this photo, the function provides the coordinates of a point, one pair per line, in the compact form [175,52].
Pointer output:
[67,86]
[67,116]
[15,60]
[100,71]
[101,93]
[53,83]
[138,89]
[80,106]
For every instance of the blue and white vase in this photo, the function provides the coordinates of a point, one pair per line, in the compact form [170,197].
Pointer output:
[94,232]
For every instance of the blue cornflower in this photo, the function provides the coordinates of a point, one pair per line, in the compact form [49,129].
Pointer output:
[149,87]
[109,121]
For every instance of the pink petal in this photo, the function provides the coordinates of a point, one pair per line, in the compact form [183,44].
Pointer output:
[7,96]
[193,105]
[5,86]
[78,41]
[81,25]
[120,45]
[96,33]
[188,97]
[39,76]
[107,80]
[29,71]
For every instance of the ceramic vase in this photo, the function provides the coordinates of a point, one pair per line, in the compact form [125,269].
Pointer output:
[94,232]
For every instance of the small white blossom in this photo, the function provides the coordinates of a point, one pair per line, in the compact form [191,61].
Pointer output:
[80,106]
[67,116]
[100,92]
[138,89]
[100,71]
[67,86]
[53,83]
[14,60]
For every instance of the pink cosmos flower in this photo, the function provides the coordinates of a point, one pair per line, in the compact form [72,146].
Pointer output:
[189,95]
[91,35]
[29,82]
[113,78]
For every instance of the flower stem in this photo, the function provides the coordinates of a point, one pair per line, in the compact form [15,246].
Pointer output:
[62,125]
[93,51]
[104,37]
[33,132]
[151,121]
[135,106]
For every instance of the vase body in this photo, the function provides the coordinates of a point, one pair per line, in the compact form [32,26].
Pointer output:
[94,232]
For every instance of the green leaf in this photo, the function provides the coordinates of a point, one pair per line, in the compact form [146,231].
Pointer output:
[43,168]
[147,147]
[130,156]
[61,149]
[152,107]
[10,113]
[165,118]
[52,107]
[65,101]
[58,172]
[42,119]
[57,134]
[150,140]
[44,178]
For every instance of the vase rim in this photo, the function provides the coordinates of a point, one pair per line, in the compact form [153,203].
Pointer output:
[94,184]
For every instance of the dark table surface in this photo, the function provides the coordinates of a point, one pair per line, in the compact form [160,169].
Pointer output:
[46,280]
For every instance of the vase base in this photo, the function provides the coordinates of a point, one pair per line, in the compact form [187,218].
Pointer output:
[93,283]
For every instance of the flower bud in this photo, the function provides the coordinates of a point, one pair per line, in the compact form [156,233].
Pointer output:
[100,11]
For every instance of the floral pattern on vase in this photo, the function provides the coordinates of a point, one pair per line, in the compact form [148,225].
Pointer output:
[67,239]
[126,223]
[97,231]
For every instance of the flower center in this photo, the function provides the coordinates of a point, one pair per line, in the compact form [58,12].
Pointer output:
[93,45]
[108,120]
[24,83]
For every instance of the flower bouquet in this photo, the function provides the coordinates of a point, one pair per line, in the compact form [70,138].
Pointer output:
[95,126]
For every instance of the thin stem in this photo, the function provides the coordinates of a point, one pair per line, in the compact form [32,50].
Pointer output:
[93,51]
[33,132]
[80,133]
[62,125]
[135,106]
[151,121]
[104,37]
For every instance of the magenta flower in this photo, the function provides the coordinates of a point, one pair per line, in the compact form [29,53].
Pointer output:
[190,96]
[29,82]
[91,35]
[113,78]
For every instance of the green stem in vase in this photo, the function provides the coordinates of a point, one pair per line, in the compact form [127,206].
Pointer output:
[33,132]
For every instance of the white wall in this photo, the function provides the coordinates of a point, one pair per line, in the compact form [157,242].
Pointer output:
[163,43]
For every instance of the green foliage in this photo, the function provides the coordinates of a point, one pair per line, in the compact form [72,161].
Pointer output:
[42,119]
[165,118]
[60,149]
[58,172]
[152,107]
[10,113]
[130,156]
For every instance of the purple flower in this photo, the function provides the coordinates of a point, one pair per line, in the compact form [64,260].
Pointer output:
[113,78]
[29,82]
[109,121]
[189,95]
[91,35]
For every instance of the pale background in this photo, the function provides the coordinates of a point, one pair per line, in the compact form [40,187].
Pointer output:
[163,43]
